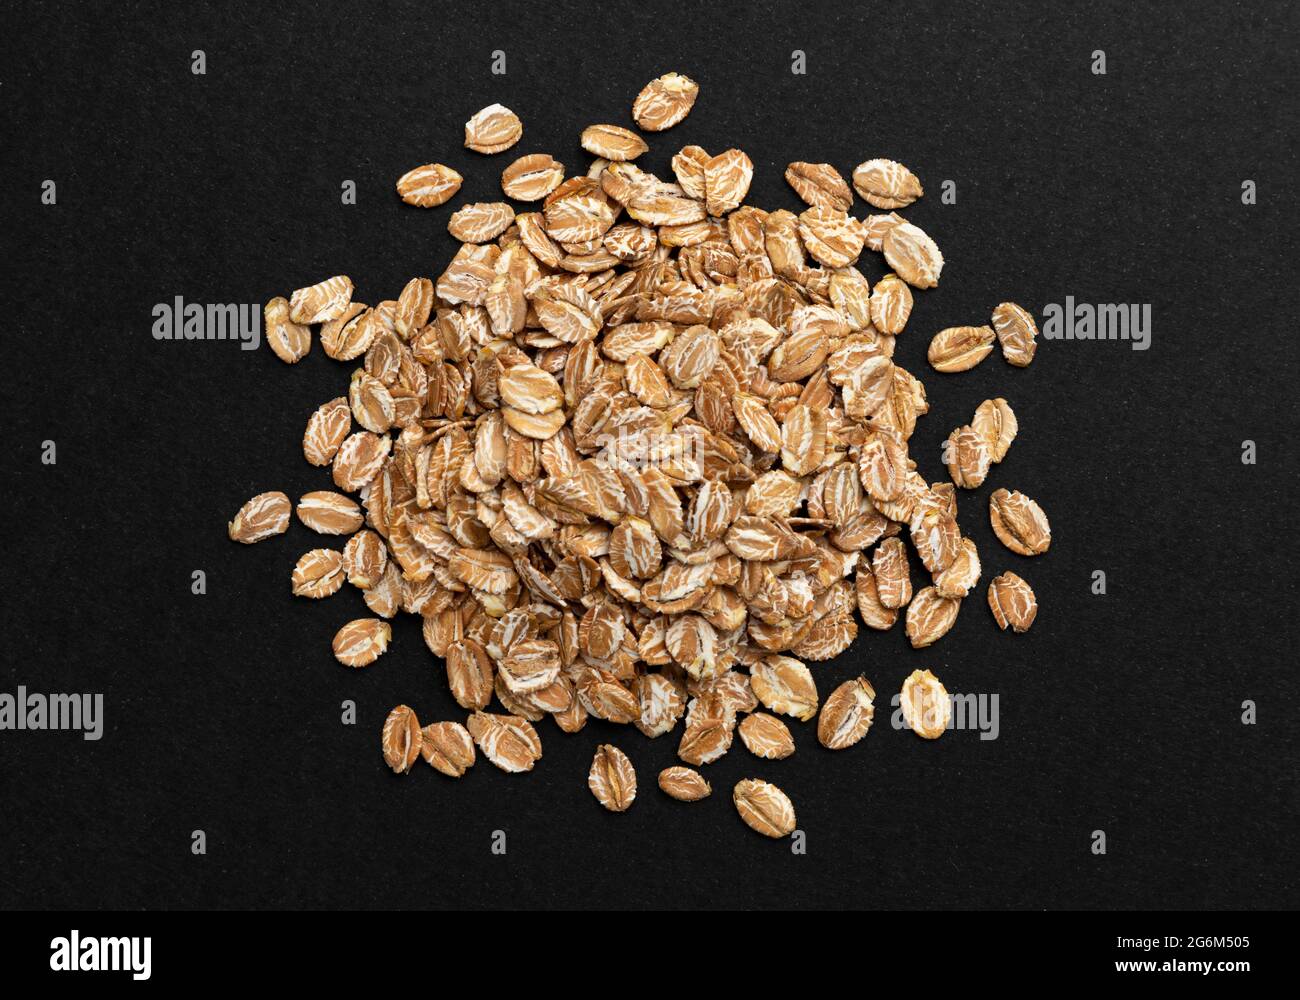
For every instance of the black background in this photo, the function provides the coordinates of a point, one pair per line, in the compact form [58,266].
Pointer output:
[1118,712]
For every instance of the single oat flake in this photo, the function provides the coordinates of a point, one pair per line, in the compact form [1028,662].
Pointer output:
[684,784]
[664,102]
[1012,602]
[493,130]
[428,186]
[1019,523]
[447,747]
[265,515]
[612,779]
[927,709]
[764,808]
[402,739]
[641,452]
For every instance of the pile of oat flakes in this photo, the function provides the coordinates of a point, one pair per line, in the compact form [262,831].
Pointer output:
[640,453]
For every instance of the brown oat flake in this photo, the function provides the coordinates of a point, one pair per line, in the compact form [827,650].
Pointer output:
[612,779]
[969,457]
[428,186]
[764,808]
[684,784]
[447,747]
[960,348]
[996,423]
[785,686]
[322,302]
[509,742]
[290,341]
[891,304]
[929,617]
[263,516]
[819,184]
[319,573]
[1019,523]
[1012,602]
[401,739]
[613,142]
[912,254]
[727,177]
[480,222]
[886,184]
[330,513]
[664,102]
[532,177]
[847,714]
[493,130]
[1016,331]
[766,736]
[361,642]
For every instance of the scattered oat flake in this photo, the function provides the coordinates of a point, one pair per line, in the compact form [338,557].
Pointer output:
[322,302]
[1016,331]
[1019,523]
[886,184]
[401,739]
[613,142]
[927,709]
[428,186]
[664,102]
[766,736]
[447,747]
[612,779]
[265,515]
[361,642]
[1012,602]
[480,222]
[846,716]
[684,784]
[764,808]
[290,341]
[960,348]
[507,741]
[493,130]
[319,573]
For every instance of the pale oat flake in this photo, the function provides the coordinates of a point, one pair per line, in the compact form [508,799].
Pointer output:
[925,704]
